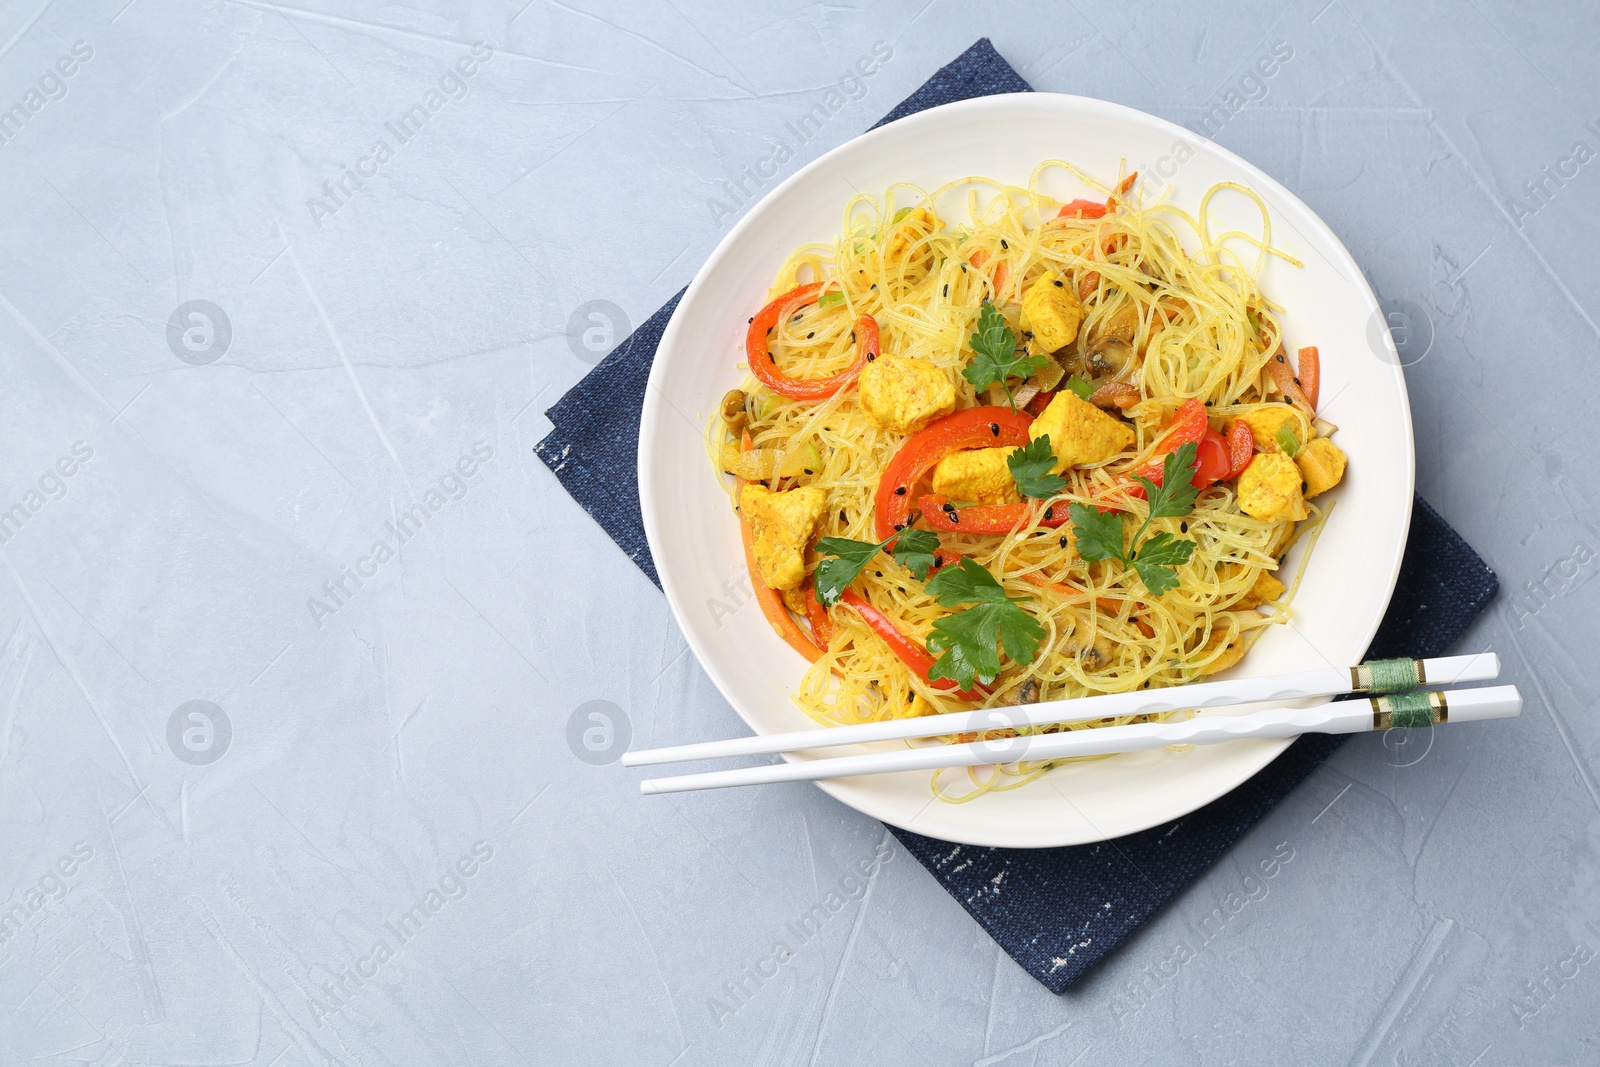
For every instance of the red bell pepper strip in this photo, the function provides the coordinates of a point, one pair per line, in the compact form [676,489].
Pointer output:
[913,655]
[940,514]
[1241,448]
[1189,425]
[1212,460]
[973,428]
[817,616]
[1310,366]
[1283,377]
[762,365]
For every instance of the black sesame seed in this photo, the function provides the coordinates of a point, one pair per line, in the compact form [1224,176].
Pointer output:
[878,573]
[963,268]
[795,317]
[899,490]
[901,588]
[808,470]
[1003,243]
[938,561]
[1060,283]
[1183,527]
[843,517]
[1304,487]
[1028,334]
[948,506]
[1279,358]
[1297,381]
[852,337]
[1063,542]
[947,290]
[994,428]
[871,356]
[954,517]
[899,526]
[752,318]
[810,335]
[874,285]
[911,698]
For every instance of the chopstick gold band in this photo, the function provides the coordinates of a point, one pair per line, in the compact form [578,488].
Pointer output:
[1409,710]
[1387,676]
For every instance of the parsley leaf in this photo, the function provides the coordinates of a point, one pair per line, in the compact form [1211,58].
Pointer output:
[915,550]
[1158,557]
[1287,440]
[833,575]
[1080,385]
[1174,497]
[995,354]
[1099,533]
[968,642]
[1030,469]
[1155,560]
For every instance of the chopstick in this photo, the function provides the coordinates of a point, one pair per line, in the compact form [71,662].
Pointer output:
[1411,709]
[1376,676]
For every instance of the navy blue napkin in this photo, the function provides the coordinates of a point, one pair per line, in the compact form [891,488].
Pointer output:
[1052,918]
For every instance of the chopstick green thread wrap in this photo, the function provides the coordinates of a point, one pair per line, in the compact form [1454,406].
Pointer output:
[1409,710]
[1387,676]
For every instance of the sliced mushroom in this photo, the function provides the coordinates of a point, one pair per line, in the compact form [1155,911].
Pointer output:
[733,411]
[1026,693]
[1110,357]
[1093,656]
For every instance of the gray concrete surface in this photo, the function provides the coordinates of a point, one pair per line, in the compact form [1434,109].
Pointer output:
[384,754]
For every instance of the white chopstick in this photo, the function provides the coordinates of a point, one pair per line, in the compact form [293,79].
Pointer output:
[1337,717]
[1332,681]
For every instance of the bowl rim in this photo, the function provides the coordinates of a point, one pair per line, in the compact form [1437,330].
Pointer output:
[1307,220]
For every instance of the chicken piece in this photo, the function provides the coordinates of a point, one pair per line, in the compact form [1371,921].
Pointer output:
[1234,648]
[915,225]
[1321,464]
[1265,588]
[1052,312]
[979,475]
[904,395]
[783,524]
[1270,489]
[1080,433]
[1265,422]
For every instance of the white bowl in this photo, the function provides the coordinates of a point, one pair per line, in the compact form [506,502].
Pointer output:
[694,535]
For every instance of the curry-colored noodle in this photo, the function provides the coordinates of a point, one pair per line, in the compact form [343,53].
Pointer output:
[1161,325]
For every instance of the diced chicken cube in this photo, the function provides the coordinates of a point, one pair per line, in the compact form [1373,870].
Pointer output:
[1079,432]
[1321,464]
[783,524]
[1051,310]
[979,475]
[904,395]
[1266,588]
[1233,650]
[1265,422]
[1270,489]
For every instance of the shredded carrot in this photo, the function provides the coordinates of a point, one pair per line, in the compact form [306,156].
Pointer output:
[1310,366]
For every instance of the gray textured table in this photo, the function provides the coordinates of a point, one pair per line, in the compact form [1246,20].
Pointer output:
[310,504]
